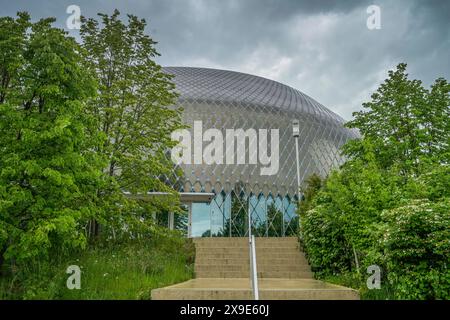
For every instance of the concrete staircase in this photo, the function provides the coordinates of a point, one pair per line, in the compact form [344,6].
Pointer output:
[222,273]
[229,258]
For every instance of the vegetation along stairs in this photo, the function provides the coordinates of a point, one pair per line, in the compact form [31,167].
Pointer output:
[222,269]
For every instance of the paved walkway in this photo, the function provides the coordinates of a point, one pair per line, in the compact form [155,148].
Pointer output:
[240,289]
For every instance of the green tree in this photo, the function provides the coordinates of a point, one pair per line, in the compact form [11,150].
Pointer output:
[237,224]
[49,172]
[435,127]
[313,185]
[388,203]
[347,206]
[274,221]
[407,124]
[239,212]
[133,110]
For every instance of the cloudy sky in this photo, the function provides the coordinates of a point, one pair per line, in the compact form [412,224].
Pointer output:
[322,48]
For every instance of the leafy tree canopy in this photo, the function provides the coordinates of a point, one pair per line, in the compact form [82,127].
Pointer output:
[133,110]
[407,125]
[389,203]
[48,170]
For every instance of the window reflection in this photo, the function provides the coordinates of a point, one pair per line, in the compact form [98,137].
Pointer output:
[227,215]
[201,221]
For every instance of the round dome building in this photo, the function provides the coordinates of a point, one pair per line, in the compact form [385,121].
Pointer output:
[240,150]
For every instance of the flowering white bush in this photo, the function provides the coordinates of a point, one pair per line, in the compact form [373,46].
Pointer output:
[416,245]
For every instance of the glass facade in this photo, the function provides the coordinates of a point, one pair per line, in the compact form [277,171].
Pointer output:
[224,100]
[227,216]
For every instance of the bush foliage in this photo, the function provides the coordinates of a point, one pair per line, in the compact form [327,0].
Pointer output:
[388,205]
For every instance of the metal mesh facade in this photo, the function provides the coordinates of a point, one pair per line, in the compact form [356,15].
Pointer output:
[225,99]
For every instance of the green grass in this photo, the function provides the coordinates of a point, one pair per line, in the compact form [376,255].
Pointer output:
[119,271]
[357,282]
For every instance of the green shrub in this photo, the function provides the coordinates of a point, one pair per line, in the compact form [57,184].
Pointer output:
[338,232]
[364,216]
[416,246]
[388,204]
[325,245]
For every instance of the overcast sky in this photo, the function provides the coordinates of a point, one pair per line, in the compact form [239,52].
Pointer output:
[322,48]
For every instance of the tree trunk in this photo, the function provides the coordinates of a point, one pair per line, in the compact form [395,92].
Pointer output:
[2,259]
[356,259]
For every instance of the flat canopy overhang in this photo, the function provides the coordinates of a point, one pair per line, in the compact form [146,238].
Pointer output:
[187,197]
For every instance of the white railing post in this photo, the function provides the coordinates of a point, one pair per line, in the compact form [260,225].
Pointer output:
[253,269]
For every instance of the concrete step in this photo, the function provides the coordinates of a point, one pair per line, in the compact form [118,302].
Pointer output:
[246,273]
[240,289]
[245,245]
[285,274]
[222,261]
[246,255]
[243,242]
[282,258]
[245,239]
[245,267]
[283,267]
[222,274]
[277,249]
[219,268]
[261,250]
[246,260]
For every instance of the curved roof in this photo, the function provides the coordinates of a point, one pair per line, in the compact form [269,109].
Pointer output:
[205,84]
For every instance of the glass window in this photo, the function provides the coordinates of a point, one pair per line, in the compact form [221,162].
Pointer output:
[201,220]
[257,206]
[217,216]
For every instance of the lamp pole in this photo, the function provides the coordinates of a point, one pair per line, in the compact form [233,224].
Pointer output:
[296,135]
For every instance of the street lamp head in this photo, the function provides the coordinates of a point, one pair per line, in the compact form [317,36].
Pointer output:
[295,128]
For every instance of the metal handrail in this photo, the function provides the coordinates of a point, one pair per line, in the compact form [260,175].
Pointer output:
[253,271]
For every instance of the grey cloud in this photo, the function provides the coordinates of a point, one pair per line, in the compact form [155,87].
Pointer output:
[322,48]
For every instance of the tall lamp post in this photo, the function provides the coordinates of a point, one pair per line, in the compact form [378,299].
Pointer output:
[296,135]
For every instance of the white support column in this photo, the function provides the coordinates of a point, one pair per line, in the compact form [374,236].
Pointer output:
[296,135]
[189,205]
[298,168]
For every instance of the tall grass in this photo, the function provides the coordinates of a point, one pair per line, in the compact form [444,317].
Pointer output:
[127,270]
[358,282]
